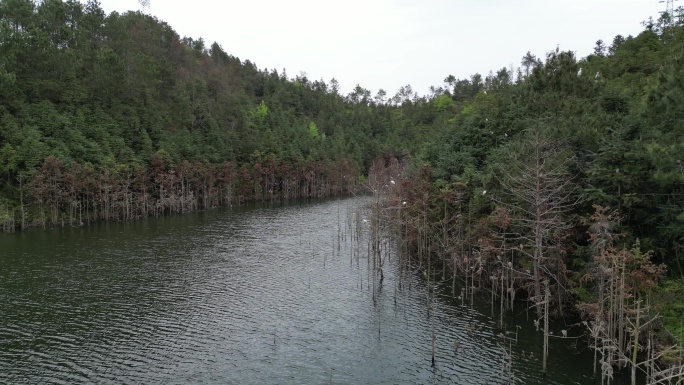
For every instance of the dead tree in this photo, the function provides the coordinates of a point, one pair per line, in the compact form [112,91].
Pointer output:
[538,189]
[622,281]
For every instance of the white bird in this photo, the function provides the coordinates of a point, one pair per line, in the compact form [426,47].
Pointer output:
[403,203]
[484,192]
[564,333]
[597,76]
[392,181]
[579,73]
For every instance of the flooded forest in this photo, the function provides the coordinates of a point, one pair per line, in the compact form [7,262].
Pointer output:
[553,190]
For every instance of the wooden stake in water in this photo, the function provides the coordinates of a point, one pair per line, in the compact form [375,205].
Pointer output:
[434,340]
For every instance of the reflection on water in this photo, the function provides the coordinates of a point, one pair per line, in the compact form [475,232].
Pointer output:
[245,296]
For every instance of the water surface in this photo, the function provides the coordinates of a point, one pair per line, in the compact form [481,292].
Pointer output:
[261,295]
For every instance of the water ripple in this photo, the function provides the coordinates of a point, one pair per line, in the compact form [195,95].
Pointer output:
[241,297]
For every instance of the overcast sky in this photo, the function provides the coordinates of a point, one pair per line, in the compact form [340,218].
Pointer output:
[390,43]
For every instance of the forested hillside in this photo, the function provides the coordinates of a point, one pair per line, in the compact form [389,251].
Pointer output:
[563,182]
[609,127]
[116,117]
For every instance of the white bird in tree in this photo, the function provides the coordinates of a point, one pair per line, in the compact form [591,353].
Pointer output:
[579,73]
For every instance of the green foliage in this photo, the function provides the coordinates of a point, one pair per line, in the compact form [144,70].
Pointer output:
[670,301]
[261,111]
[313,131]
[582,294]
[443,103]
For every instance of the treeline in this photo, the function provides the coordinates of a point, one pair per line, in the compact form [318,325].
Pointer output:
[77,194]
[116,117]
[562,182]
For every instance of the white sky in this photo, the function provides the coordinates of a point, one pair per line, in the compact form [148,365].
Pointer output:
[390,43]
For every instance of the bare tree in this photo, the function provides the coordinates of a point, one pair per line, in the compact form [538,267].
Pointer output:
[538,189]
[622,280]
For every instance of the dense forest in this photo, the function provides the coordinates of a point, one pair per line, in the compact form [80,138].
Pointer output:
[562,176]
[116,117]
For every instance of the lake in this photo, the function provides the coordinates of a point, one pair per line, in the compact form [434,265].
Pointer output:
[249,295]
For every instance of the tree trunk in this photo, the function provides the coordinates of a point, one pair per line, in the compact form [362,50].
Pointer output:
[538,240]
[635,348]
[547,297]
